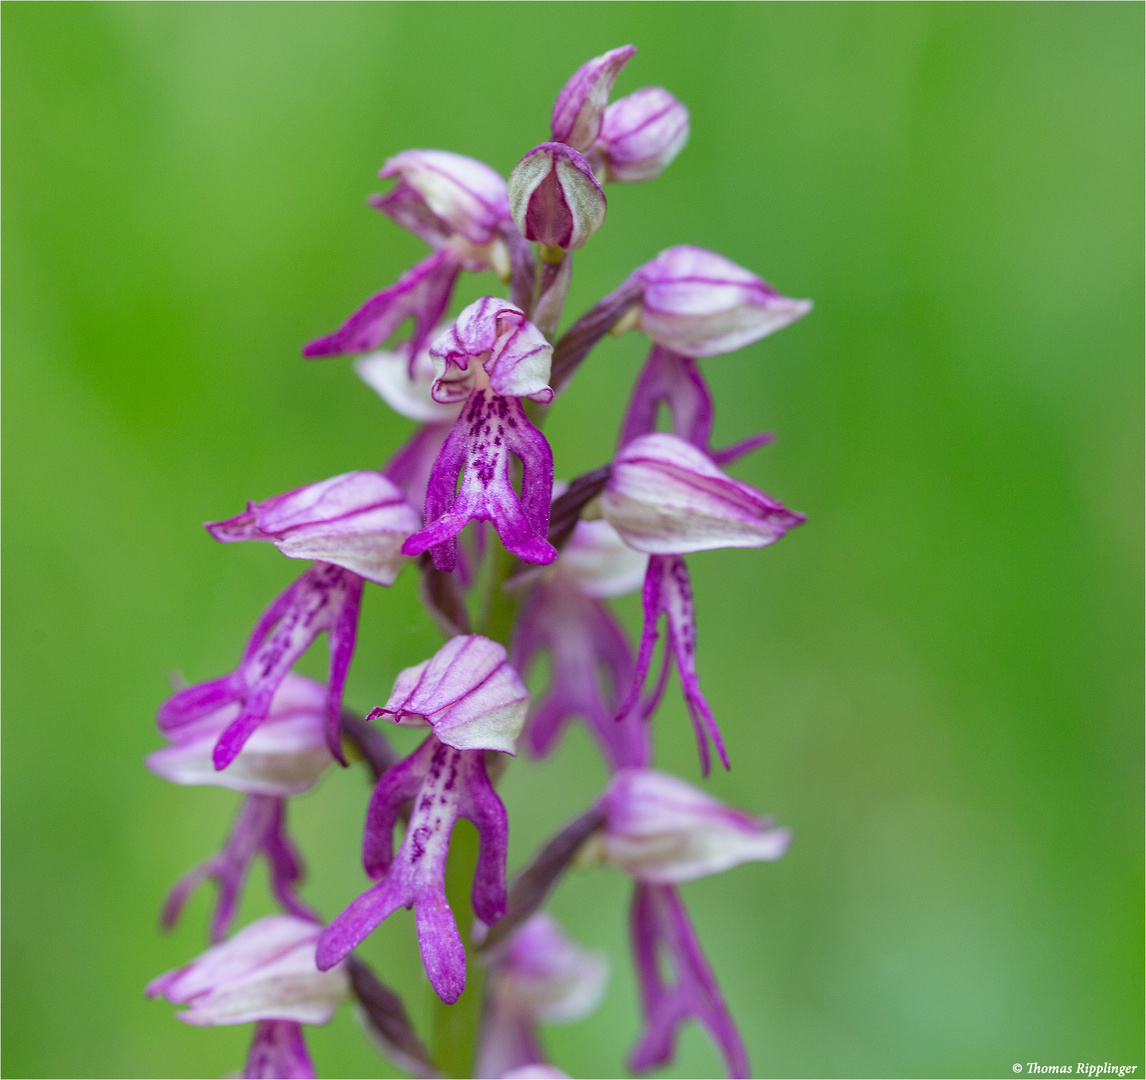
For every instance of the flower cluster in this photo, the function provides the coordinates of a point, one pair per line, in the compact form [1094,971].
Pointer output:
[479,386]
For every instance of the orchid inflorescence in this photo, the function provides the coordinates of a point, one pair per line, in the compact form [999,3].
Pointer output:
[480,386]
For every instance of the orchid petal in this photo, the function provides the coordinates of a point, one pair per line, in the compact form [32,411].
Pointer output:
[666,497]
[664,831]
[698,303]
[265,972]
[467,692]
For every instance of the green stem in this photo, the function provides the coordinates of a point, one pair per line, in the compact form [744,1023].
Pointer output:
[456,1027]
[495,620]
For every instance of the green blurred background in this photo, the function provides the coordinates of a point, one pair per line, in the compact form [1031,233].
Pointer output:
[936,683]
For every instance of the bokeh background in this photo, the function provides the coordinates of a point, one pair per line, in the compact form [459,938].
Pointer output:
[937,683]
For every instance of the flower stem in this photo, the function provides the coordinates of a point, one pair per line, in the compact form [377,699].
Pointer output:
[456,1027]
[495,620]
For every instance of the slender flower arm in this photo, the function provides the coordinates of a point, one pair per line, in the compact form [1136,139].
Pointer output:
[659,927]
[453,784]
[260,828]
[675,381]
[278,1049]
[668,592]
[325,599]
[422,293]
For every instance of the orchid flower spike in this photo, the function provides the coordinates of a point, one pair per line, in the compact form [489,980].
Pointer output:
[667,498]
[358,521]
[580,106]
[698,303]
[555,198]
[663,831]
[474,702]
[491,358]
[326,598]
[265,974]
[460,208]
[538,976]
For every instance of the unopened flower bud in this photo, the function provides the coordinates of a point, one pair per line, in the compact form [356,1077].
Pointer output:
[577,111]
[698,303]
[663,831]
[641,134]
[555,198]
